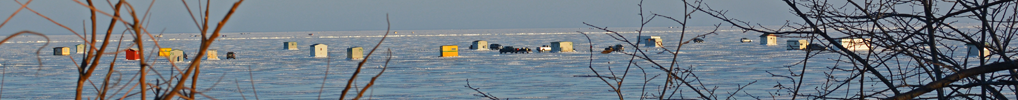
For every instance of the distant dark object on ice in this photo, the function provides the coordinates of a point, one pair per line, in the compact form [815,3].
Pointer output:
[697,40]
[607,77]
[746,40]
[610,49]
[815,47]
[510,49]
[495,47]
[607,50]
[230,55]
[619,48]
[507,49]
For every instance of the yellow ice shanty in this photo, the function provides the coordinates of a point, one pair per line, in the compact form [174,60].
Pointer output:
[61,51]
[450,51]
[165,52]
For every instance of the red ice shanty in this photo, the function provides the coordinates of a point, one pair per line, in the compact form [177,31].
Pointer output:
[132,54]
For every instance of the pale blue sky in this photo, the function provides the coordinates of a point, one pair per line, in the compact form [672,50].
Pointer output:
[358,15]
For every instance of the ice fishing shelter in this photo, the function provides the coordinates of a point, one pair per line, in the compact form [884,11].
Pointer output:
[354,53]
[80,48]
[562,46]
[978,52]
[854,44]
[290,46]
[163,52]
[797,44]
[450,51]
[319,50]
[61,51]
[176,56]
[132,54]
[479,45]
[768,39]
[212,54]
[649,41]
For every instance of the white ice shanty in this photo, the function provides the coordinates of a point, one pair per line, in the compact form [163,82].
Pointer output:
[768,39]
[290,46]
[855,44]
[479,45]
[651,41]
[319,50]
[211,54]
[562,46]
[975,51]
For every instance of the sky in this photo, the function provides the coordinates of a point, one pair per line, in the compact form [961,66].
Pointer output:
[171,16]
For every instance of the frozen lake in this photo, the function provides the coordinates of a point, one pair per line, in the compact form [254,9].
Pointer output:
[416,71]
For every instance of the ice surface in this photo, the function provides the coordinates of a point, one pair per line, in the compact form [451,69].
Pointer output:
[416,71]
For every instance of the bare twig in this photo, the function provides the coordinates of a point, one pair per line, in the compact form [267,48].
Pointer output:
[361,64]
[376,76]
[37,51]
[250,75]
[591,66]
[486,95]
[204,47]
[321,88]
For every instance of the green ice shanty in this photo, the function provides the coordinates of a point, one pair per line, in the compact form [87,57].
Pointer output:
[354,53]
[80,48]
[797,44]
[290,46]
[177,55]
